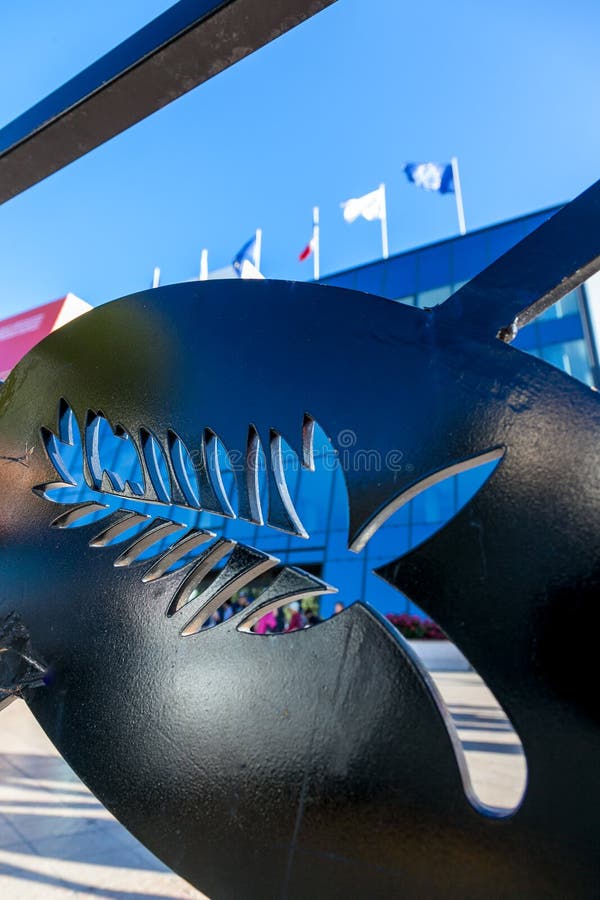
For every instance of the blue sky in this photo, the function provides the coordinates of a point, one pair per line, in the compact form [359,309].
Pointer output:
[325,113]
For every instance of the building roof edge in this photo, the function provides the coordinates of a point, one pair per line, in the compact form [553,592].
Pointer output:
[457,237]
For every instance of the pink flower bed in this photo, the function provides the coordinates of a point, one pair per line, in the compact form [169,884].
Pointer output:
[416,628]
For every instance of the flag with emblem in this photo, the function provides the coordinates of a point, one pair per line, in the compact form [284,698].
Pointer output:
[441,178]
[431,176]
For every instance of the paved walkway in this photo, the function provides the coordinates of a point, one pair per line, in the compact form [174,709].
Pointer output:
[492,749]
[58,843]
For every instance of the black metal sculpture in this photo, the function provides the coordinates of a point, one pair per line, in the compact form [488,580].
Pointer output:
[215,748]
[185,46]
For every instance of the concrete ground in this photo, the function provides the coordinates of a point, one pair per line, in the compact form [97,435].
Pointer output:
[492,750]
[57,842]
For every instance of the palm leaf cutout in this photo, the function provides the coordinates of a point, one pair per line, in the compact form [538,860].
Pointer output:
[149,499]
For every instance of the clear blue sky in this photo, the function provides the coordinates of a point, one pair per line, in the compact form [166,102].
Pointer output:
[325,113]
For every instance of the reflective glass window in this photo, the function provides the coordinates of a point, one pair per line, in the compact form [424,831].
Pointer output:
[411,300]
[292,471]
[347,576]
[389,542]
[272,540]
[342,279]
[316,538]
[210,522]
[568,306]
[337,543]
[338,512]
[470,255]
[434,504]
[556,355]
[434,266]
[301,557]
[313,498]
[468,483]
[527,338]
[427,299]
[238,530]
[383,596]
[557,330]
[400,517]
[504,237]
[371,279]
[401,279]
[571,357]
[420,533]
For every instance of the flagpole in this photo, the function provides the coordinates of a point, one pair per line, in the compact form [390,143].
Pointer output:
[258,248]
[316,247]
[156,277]
[204,265]
[384,227]
[458,194]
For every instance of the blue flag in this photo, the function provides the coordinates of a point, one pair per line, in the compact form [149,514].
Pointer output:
[246,259]
[431,176]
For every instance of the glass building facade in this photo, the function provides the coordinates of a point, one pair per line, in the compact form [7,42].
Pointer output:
[563,336]
[427,276]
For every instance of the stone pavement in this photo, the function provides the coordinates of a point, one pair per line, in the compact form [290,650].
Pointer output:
[58,843]
[492,750]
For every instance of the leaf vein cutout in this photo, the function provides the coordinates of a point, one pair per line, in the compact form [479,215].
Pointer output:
[147,499]
[146,511]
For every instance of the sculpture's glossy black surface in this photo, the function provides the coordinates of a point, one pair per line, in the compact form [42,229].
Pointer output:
[319,763]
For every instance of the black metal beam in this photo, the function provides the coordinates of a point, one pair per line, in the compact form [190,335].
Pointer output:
[541,269]
[180,49]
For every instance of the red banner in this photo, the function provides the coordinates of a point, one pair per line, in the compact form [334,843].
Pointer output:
[18,334]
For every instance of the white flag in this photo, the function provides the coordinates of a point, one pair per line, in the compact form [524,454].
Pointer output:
[369,206]
[249,270]
[246,262]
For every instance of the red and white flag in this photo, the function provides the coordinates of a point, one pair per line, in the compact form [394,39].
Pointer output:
[310,247]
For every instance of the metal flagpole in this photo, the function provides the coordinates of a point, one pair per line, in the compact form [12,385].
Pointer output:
[458,194]
[204,265]
[316,248]
[156,277]
[258,248]
[384,227]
